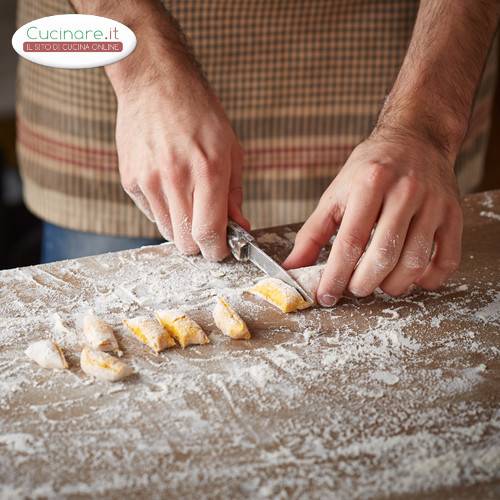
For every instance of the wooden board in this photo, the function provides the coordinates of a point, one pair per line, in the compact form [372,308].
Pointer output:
[375,397]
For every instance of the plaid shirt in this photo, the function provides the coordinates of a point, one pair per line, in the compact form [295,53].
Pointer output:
[302,83]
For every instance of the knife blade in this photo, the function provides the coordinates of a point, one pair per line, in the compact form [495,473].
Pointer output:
[244,248]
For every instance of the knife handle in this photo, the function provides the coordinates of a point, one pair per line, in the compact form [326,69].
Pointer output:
[238,240]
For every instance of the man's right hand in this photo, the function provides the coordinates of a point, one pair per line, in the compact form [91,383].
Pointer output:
[179,159]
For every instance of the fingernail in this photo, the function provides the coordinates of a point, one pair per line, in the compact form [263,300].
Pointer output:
[327,300]
[357,292]
[214,257]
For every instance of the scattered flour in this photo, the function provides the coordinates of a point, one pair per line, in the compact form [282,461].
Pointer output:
[378,387]
[487,200]
[490,215]
[491,311]
[385,377]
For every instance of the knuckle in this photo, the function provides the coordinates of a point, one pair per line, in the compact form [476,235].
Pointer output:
[409,188]
[333,284]
[205,234]
[206,166]
[378,173]
[384,259]
[175,175]
[150,182]
[351,247]
[386,256]
[415,262]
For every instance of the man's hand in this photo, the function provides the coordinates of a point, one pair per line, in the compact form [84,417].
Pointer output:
[403,189]
[400,182]
[179,158]
[180,161]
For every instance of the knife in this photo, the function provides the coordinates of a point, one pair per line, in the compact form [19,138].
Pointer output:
[244,248]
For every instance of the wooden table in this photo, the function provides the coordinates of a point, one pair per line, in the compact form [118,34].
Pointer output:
[376,397]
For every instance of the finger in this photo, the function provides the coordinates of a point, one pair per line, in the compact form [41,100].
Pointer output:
[314,234]
[235,213]
[154,196]
[140,201]
[416,252]
[360,215]
[210,213]
[179,193]
[235,189]
[384,250]
[446,258]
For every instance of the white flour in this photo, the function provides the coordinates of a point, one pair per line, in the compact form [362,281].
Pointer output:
[489,214]
[374,398]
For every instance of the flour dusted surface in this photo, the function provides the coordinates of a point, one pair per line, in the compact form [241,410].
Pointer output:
[377,396]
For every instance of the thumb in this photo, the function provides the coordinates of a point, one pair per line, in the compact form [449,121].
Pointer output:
[311,238]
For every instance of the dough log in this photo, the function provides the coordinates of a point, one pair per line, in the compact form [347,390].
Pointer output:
[308,278]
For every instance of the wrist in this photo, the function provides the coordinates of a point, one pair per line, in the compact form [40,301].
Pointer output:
[161,54]
[422,119]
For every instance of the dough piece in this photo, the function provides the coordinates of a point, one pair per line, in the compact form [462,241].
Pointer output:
[98,334]
[279,294]
[228,321]
[308,278]
[103,366]
[47,354]
[185,330]
[150,332]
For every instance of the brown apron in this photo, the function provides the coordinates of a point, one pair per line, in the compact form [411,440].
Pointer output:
[302,83]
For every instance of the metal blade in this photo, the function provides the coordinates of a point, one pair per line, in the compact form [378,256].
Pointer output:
[267,264]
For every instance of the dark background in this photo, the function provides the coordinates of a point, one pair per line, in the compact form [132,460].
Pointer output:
[20,231]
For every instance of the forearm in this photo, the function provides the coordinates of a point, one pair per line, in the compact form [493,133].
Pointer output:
[159,39]
[434,91]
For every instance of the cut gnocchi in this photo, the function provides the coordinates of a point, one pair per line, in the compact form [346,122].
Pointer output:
[228,321]
[279,294]
[150,332]
[103,366]
[47,354]
[98,334]
[185,330]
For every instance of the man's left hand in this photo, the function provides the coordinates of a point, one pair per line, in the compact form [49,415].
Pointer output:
[402,188]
